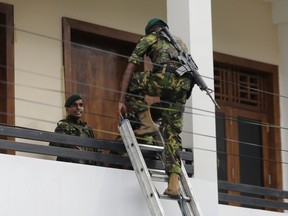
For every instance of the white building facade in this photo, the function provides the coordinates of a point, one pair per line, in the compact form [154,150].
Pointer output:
[252,29]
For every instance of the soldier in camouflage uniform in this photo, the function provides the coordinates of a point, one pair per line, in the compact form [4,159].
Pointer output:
[163,82]
[74,125]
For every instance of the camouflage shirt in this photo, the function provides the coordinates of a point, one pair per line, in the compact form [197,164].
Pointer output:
[70,126]
[157,48]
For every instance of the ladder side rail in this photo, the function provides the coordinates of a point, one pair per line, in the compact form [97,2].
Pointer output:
[140,168]
[192,205]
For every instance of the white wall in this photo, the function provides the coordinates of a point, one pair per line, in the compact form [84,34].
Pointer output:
[49,188]
[244,28]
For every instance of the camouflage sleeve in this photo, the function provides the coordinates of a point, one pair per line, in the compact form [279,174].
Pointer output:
[141,48]
[63,128]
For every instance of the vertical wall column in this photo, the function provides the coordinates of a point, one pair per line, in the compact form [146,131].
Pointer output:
[280,17]
[191,20]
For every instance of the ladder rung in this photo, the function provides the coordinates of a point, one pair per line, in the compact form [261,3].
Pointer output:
[151,147]
[185,198]
[157,171]
[163,196]
[158,175]
[159,178]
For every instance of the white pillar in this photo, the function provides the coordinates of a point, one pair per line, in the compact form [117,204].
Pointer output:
[280,17]
[191,20]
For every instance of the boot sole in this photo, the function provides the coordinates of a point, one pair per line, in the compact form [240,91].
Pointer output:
[172,195]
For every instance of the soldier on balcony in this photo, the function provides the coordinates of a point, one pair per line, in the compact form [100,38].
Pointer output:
[74,125]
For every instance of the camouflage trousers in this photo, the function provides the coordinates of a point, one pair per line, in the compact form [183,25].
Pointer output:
[172,90]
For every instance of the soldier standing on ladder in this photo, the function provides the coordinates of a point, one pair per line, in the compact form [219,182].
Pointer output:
[164,83]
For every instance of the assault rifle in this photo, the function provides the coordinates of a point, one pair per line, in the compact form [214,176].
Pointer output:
[188,64]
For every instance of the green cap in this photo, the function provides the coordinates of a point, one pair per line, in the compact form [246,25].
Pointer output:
[153,22]
[70,100]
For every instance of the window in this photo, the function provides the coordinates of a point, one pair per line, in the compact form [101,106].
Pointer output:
[247,147]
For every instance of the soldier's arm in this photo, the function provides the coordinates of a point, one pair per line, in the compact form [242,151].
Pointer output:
[63,128]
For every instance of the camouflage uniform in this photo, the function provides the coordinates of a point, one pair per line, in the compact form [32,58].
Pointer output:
[171,88]
[70,126]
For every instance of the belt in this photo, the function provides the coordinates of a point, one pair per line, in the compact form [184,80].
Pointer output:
[169,67]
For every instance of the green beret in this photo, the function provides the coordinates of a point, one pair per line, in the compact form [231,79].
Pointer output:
[70,100]
[153,22]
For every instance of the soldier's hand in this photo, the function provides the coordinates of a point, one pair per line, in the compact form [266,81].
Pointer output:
[122,109]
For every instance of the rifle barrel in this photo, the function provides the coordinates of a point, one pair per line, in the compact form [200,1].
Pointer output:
[216,104]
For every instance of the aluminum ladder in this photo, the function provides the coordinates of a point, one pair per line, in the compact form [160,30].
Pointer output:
[187,202]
